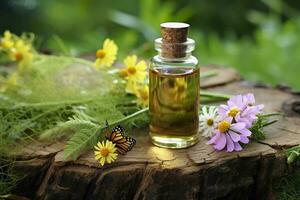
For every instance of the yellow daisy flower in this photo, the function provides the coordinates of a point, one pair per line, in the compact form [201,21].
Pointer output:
[21,52]
[142,94]
[134,71]
[131,87]
[7,41]
[107,55]
[105,151]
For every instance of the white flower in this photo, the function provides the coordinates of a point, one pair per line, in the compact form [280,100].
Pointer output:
[208,120]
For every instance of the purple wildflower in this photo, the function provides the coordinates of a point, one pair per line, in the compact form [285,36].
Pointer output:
[229,135]
[249,100]
[241,108]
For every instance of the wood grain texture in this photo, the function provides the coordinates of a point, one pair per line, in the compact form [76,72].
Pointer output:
[150,172]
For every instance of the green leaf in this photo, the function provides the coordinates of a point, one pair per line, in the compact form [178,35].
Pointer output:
[293,154]
[80,141]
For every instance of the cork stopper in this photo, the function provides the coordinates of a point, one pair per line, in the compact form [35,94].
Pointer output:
[174,35]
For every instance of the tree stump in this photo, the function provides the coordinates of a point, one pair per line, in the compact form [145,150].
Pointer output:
[150,172]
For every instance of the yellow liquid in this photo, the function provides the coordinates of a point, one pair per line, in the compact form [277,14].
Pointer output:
[174,101]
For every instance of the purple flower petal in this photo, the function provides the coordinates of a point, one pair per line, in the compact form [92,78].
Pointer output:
[221,142]
[237,146]
[234,136]
[248,122]
[261,106]
[236,101]
[230,145]
[214,138]
[245,132]
[249,110]
[222,110]
[228,119]
[249,98]
[252,110]
[230,102]
[239,102]
[244,140]
[238,126]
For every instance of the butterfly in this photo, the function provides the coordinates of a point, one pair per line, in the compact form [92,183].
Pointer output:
[122,142]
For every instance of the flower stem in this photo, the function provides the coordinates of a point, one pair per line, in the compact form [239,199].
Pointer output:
[208,74]
[214,95]
[272,114]
[130,116]
[269,123]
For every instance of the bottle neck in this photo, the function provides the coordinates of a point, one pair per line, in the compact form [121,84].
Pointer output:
[174,59]
[174,51]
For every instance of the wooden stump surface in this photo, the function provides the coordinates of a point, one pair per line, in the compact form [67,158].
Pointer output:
[150,172]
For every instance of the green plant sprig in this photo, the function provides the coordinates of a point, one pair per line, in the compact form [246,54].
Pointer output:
[262,121]
[293,154]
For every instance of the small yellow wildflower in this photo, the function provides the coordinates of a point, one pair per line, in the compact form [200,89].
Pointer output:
[105,151]
[21,52]
[134,71]
[7,41]
[107,55]
[142,94]
[131,87]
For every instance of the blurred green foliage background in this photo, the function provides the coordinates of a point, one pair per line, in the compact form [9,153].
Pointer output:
[260,38]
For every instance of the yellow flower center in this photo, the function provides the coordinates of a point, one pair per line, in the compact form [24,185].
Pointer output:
[233,112]
[18,56]
[123,73]
[100,53]
[223,126]
[104,152]
[131,70]
[210,122]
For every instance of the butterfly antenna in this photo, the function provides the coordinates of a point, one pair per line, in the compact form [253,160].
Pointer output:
[106,124]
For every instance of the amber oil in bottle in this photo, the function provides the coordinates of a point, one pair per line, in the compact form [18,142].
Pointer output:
[174,89]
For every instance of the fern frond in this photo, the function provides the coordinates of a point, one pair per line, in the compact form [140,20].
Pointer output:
[75,124]
[80,114]
[80,141]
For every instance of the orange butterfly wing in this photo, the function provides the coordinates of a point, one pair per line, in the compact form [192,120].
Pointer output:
[122,142]
[125,146]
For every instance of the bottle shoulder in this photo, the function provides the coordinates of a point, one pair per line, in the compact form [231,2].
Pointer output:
[190,61]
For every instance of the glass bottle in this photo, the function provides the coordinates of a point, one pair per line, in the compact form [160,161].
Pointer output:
[174,89]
